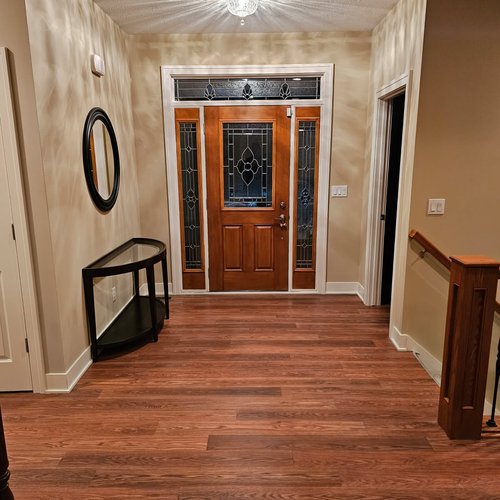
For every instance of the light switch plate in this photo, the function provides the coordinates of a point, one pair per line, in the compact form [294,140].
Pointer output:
[339,191]
[435,206]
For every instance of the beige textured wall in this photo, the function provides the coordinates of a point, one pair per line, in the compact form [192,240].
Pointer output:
[397,51]
[14,36]
[457,156]
[63,34]
[350,52]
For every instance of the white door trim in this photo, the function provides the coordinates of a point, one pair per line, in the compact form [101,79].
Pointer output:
[325,71]
[26,270]
[378,174]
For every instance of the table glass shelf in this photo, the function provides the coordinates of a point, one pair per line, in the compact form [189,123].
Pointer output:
[143,316]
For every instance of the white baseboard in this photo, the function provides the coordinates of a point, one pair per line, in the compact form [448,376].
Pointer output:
[487,409]
[430,364]
[404,342]
[345,288]
[334,288]
[143,289]
[64,382]
[399,340]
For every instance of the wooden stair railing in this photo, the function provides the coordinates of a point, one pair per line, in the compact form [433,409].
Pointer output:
[5,492]
[431,249]
[469,324]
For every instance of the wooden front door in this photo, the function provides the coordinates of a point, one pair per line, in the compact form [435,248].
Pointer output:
[248,162]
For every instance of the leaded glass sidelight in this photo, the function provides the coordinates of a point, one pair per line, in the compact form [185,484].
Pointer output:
[190,194]
[248,164]
[306,166]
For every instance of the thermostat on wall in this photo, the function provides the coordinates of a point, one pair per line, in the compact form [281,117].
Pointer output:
[97,65]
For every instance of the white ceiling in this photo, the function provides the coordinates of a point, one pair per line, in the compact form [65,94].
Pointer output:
[212,16]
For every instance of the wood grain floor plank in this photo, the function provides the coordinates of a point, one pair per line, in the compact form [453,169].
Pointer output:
[317,442]
[249,398]
[339,493]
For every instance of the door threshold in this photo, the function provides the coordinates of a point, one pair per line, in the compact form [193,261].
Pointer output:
[249,292]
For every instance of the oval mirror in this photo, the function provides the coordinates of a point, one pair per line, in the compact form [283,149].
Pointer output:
[100,159]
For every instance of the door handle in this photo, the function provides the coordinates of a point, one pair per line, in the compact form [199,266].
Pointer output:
[282,221]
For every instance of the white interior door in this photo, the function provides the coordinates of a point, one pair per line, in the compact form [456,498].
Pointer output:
[15,371]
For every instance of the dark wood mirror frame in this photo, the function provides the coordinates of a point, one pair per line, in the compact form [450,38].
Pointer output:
[103,204]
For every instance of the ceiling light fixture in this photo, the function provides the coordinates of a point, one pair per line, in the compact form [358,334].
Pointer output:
[242,8]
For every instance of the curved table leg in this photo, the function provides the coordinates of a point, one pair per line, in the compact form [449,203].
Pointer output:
[165,286]
[150,273]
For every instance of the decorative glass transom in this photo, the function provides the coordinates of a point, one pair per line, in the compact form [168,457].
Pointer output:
[232,89]
[190,195]
[248,164]
[305,194]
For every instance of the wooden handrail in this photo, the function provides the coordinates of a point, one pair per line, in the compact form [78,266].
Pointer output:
[469,322]
[437,254]
[430,248]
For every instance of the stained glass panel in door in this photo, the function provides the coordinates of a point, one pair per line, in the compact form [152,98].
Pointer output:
[190,194]
[257,89]
[248,165]
[306,163]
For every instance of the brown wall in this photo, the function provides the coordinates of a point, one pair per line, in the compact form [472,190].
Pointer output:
[349,52]
[457,156]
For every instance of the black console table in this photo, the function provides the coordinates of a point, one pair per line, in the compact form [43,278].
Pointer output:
[5,492]
[143,317]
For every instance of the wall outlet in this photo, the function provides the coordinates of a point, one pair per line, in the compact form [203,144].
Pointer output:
[113,293]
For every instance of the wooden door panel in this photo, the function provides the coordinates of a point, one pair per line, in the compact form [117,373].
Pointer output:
[248,157]
[233,248]
[264,248]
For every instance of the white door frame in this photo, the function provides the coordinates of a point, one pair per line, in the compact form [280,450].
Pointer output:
[378,187]
[20,219]
[169,73]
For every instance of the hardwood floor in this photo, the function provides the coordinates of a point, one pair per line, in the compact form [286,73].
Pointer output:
[246,397]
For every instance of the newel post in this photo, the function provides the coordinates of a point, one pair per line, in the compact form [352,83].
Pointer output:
[5,493]
[469,323]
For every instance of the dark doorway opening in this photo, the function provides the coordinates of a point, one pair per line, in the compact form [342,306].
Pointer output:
[397,108]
